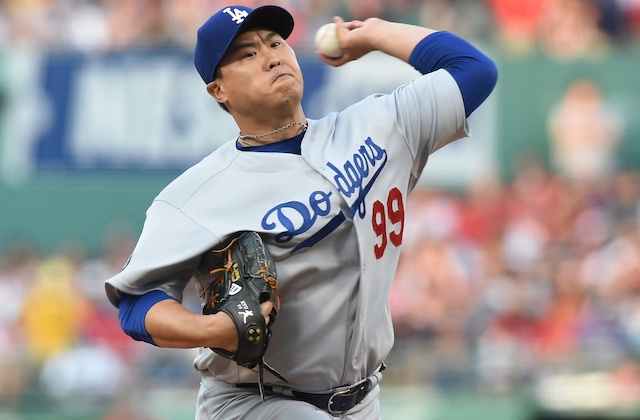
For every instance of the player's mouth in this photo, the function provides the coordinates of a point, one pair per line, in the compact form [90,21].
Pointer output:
[281,76]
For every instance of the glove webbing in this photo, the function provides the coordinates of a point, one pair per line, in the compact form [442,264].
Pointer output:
[270,280]
[273,283]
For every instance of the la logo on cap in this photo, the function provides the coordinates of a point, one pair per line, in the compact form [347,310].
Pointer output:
[237,15]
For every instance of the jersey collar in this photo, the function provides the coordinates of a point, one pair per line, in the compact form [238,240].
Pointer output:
[292,145]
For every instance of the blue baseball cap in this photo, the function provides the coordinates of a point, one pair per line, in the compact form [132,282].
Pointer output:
[216,34]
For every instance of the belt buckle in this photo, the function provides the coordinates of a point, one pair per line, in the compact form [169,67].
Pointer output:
[345,393]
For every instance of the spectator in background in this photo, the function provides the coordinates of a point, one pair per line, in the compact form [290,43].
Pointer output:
[585,133]
[31,23]
[625,207]
[532,192]
[570,29]
[516,23]
[466,18]
[612,18]
[100,327]
[557,336]
[17,265]
[483,210]
[84,26]
[5,25]
[363,9]
[630,11]
[54,310]
[138,23]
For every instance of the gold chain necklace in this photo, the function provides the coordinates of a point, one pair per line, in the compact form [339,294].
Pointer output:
[243,137]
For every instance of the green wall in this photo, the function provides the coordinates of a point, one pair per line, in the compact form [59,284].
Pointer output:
[55,208]
[58,209]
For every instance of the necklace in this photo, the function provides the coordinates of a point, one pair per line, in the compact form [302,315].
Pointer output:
[242,138]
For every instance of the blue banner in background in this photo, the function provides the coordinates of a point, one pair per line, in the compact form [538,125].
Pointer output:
[149,110]
[134,110]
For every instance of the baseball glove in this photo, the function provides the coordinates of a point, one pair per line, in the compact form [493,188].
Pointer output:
[244,276]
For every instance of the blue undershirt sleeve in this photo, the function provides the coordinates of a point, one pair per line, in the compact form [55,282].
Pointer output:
[133,310]
[475,73]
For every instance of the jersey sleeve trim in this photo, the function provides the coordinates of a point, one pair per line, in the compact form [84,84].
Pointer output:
[133,311]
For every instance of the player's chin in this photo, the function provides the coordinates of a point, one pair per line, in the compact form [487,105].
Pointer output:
[289,89]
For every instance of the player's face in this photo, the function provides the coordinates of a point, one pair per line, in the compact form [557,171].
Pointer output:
[259,72]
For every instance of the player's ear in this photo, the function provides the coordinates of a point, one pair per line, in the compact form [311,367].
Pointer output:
[214,89]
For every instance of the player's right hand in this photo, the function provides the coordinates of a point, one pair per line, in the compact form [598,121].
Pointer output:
[355,40]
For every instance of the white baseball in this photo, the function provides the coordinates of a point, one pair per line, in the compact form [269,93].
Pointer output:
[327,42]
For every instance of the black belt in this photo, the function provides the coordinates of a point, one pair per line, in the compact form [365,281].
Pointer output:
[340,400]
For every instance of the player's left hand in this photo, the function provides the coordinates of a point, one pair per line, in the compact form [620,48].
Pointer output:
[267,309]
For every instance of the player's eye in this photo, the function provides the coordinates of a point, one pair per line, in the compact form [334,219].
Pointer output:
[276,44]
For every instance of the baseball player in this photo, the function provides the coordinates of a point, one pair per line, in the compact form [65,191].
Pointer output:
[328,197]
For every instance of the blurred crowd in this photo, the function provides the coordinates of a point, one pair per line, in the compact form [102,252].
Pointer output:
[504,281]
[561,28]
[61,341]
[519,279]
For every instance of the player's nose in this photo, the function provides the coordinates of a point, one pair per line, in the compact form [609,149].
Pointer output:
[272,58]
[274,62]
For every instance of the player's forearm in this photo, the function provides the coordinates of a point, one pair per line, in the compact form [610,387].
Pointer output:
[358,38]
[170,324]
[396,39]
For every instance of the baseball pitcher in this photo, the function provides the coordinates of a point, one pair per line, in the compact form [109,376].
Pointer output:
[292,230]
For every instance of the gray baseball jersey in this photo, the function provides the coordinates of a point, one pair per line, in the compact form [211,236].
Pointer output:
[332,217]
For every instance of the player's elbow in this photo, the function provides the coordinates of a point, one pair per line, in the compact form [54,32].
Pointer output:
[477,82]
[488,75]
